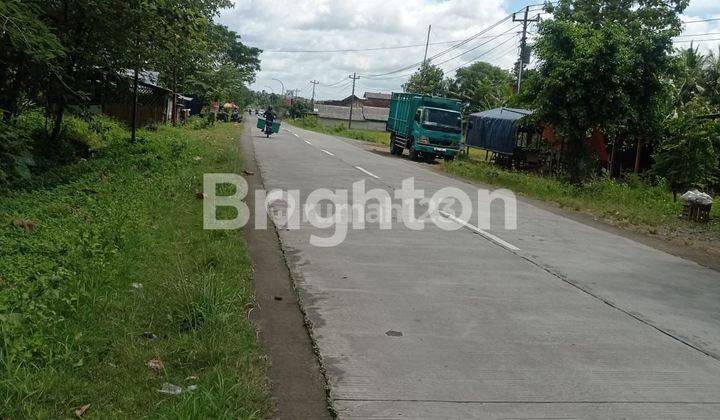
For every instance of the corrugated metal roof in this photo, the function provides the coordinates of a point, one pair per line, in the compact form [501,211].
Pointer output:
[504,113]
[377,95]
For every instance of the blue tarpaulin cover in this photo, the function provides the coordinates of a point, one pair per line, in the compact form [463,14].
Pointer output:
[495,129]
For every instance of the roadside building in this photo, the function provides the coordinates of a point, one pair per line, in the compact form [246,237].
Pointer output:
[352,99]
[114,97]
[377,100]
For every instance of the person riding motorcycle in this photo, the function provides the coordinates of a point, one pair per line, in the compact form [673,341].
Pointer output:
[269,115]
[269,118]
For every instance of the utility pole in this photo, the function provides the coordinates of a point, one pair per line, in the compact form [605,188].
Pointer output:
[524,53]
[312,99]
[427,44]
[354,77]
[134,104]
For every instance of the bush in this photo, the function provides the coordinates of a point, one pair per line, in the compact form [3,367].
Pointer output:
[308,121]
[25,143]
[110,130]
[197,122]
[16,157]
[78,133]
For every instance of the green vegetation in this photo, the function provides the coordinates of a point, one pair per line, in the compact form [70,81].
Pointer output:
[58,54]
[311,123]
[105,266]
[629,203]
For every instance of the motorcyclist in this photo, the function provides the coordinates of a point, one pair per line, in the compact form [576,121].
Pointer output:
[269,115]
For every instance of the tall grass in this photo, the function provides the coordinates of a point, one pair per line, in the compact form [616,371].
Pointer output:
[105,265]
[632,202]
[311,122]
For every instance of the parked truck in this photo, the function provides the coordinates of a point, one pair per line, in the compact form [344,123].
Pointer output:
[428,126]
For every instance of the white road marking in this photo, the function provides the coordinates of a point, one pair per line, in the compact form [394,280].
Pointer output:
[368,172]
[325,151]
[307,142]
[481,232]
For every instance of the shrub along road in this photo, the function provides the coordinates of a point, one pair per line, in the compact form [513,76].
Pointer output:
[570,321]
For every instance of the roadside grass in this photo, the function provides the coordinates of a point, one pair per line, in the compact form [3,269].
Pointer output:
[630,203]
[105,266]
[311,123]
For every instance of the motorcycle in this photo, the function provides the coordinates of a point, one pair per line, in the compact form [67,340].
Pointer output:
[268,129]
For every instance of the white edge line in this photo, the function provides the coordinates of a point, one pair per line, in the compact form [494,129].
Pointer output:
[325,151]
[481,232]
[307,142]
[368,172]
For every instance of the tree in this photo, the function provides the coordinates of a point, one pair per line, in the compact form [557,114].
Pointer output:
[686,157]
[712,78]
[690,75]
[428,80]
[30,52]
[481,86]
[604,63]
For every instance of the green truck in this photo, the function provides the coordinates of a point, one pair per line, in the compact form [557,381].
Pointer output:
[428,126]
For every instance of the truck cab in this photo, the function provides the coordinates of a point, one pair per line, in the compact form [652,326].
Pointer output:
[436,133]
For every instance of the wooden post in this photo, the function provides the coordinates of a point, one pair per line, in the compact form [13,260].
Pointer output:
[637,155]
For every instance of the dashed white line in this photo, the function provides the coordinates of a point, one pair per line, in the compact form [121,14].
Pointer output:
[325,151]
[481,232]
[307,142]
[368,172]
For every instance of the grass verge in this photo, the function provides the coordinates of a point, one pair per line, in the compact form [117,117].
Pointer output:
[628,204]
[105,266]
[311,123]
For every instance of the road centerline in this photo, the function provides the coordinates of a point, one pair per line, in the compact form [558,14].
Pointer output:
[367,172]
[326,152]
[485,234]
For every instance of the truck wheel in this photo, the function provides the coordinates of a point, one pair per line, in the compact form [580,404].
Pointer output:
[394,148]
[414,155]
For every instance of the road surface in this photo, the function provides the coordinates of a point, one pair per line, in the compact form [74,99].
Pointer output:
[556,319]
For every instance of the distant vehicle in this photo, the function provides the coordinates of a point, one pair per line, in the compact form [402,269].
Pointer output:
[428,126]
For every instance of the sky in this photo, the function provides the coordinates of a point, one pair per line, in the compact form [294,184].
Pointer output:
[279,26]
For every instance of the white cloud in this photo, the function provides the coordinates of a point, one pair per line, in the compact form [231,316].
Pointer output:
[336,24]
[348,24]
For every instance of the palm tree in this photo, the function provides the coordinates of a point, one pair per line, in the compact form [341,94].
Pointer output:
[712,78]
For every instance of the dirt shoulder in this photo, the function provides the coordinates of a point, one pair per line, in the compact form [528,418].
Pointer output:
[298,385]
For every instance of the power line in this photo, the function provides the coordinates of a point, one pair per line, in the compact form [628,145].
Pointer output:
[460,44]
[697,40]
[706,33]
[480,45]
[334,84]
[395,47]
[483,54]
[445,51]
[701,20]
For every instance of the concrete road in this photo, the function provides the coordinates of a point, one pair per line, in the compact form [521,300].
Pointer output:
[556,319]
